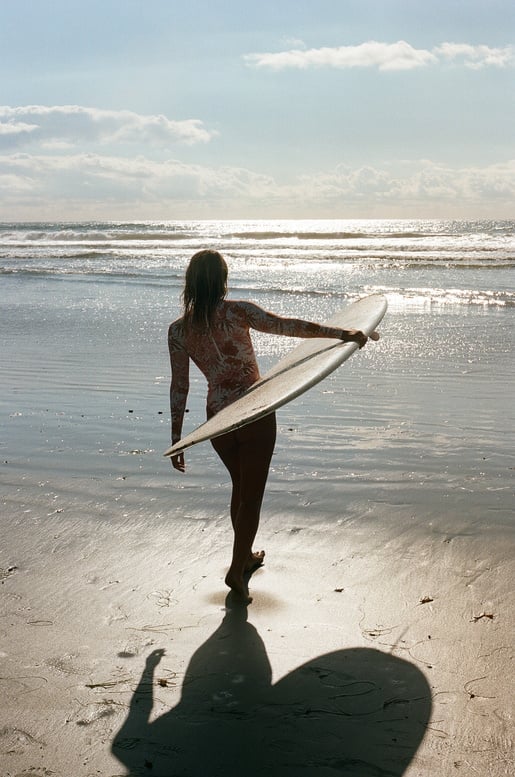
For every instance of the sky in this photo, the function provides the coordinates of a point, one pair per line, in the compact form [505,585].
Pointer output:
[226,109]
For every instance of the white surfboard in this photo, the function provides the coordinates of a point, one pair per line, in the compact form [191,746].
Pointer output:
[304,367]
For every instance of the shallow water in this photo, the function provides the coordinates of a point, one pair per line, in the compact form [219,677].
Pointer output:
[426,411]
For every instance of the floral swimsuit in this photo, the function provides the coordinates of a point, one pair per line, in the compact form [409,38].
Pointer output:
[224,353]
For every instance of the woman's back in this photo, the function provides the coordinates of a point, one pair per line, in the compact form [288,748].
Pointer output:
[222,351]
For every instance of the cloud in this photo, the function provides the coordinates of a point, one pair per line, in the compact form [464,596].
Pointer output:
[98,186]
[417,185]
[296,43]
[15,128]
[477,57]
[73,125]
[94,175]
[384,56]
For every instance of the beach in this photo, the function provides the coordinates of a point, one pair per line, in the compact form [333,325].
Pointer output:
[380,636]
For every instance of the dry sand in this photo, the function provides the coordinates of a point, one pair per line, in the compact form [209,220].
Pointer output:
[380,645]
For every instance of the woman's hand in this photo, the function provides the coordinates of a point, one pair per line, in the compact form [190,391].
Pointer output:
[354,336]
[178,462]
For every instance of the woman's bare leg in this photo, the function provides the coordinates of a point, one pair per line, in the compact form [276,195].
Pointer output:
[231,458]
[246,453]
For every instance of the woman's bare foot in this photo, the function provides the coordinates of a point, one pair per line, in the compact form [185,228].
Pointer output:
[255,560]
[238,586]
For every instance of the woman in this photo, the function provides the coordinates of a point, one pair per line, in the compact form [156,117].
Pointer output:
[214,333]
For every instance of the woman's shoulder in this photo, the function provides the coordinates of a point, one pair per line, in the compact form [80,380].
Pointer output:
[176,329]
[239,307]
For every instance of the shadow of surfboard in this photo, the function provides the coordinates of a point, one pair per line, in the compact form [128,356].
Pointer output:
[357,712]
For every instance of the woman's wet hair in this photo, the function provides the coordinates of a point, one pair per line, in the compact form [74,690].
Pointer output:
[205,287]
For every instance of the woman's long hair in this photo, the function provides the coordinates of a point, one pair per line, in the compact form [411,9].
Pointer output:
[205,287]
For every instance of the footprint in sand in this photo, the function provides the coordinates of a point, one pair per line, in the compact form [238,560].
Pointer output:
[16,741]
[7,572]
[66,664]
[36,771]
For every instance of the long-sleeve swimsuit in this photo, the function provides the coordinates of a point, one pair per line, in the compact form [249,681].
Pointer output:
[224,353]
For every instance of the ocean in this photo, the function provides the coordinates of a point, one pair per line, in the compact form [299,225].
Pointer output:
[427,410]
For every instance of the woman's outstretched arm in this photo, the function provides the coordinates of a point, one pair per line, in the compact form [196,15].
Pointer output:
[264,321]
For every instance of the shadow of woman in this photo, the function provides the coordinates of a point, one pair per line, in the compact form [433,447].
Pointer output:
[356,712]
